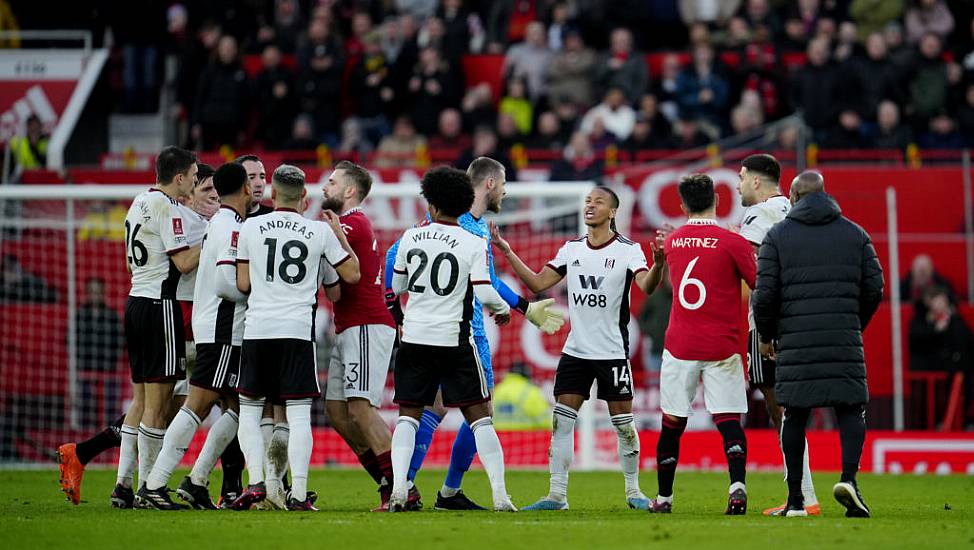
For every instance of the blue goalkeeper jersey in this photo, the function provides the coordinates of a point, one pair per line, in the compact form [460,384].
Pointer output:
[477,226]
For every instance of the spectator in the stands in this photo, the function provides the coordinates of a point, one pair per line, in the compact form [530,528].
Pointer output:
[622,67]
[701,92]
[568,118]
[29,151]
[875,77]
[19,285]
[529,60]
[688,135]
[223,97]
[942,133]
[601,139]
[548,136]
[665,87]
[353,139]
[516,104]
[649,108]
[847,43]
[399,149]
[930,81]
[485,145]
[430,90]
[302,134]
[449,132]
[275,92]
[372,91]
[354,45]
[104,220]
[139,29]
[283,29]
[922,277]
[901,55]
[928,17]
[759,13]
[570,71]
[891,132]
[456,29]
[507,133]
[100,338]
[940,340]
[644,136]
[815,90]
[578,162]
[745,120]
[710,12]
[477,106]
[194,54]
[321,62]
[558,25]
[872,16]
[614,112]
[507,22]
[418,9]
[848,133]
[796,35]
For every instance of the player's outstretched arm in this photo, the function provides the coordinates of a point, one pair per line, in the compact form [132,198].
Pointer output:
[648,281]
[187,260]
[536,282]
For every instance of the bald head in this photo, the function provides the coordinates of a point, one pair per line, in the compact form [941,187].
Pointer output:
[806,183]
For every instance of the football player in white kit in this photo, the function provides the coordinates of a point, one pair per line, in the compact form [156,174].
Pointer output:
[600,268]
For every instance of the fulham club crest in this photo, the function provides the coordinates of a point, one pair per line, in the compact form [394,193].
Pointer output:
[610,263]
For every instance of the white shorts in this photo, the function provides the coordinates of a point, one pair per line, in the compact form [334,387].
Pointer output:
[359,363]
[724,387]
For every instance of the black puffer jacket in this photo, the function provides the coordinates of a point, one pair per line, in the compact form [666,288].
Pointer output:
[819,282]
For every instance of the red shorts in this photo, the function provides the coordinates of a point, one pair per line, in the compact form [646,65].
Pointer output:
[187,308]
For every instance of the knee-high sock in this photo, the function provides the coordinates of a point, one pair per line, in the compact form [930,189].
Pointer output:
[491,456]
[100,442]
[299,444]
[793,442]
[628,451]
[403,449]
[179,434]
[464,449]
[371,464]
[251,439]
[150,444]
[224,431]
[424,436]
[232,462]
[128,455]
[852,435]
[668,454]
[562,450]
[735,445]
[275,463]
[266,431]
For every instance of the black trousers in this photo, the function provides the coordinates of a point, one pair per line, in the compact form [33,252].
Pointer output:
[852,435]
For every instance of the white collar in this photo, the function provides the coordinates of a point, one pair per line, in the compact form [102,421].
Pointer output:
[350,211]
[701,221]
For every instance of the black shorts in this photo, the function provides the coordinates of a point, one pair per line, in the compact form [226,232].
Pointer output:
[575,376]
[279,369]
[155,340]
[421,370]
[217,367]
[760,371]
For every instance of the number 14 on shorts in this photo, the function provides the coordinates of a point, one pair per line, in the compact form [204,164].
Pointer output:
[622,375]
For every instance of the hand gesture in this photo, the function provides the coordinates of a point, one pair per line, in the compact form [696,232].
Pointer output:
[657,248]
[499,242]
[502,318]
[767,350]
[331,219]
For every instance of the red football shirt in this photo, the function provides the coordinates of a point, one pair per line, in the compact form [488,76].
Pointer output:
[707,264]
[364,302]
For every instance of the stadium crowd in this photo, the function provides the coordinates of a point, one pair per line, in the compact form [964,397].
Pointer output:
[390,76]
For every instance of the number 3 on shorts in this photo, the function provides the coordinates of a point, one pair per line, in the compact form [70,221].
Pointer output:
[621,375]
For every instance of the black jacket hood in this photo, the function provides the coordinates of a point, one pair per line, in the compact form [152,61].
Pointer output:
[815,209]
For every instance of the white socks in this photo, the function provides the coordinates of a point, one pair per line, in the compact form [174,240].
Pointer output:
[275,461]
[299,445]
[177,439]
[562,450]
[128,455]
[628,452]
[251,439]
[217,439]
[267,431]
[491,456]
[403,444]
[150,443]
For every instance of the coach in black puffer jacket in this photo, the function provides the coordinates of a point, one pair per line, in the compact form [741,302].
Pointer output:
[819,282]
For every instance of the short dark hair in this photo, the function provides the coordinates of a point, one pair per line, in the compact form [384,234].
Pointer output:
[289,182]
[229,179]
[359,176]
[765,165]
[173,161]
[244,158]
[204,171]
[697,192]
[482,168]
[448,189]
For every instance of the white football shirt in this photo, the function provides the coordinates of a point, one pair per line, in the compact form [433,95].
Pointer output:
[599,281]
[442,267]
[217,320]
[758,220]
[154,230]
[284,252]
[194,225]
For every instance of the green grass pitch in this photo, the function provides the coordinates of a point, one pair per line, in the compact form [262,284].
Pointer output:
[908,512]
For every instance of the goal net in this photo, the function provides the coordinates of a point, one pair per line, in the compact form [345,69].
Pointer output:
[63,365]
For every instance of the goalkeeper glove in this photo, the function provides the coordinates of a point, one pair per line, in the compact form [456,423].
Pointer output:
[541,316]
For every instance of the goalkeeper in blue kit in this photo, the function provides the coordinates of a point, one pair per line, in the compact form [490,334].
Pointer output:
[488,178]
